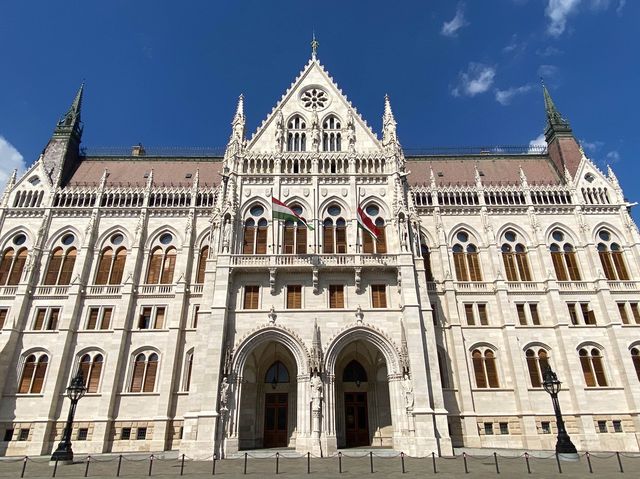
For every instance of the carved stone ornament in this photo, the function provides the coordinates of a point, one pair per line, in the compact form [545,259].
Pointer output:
[272,280]
[359,315]
[358,279]
[272,315]
[316,281]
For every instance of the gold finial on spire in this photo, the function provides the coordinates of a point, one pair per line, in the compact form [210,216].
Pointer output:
[314,46]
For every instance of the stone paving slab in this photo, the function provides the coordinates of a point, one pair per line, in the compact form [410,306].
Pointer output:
[353,466]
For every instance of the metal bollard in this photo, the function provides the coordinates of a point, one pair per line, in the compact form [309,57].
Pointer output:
[277,462]
[526,458]
[464,458]
[619,461]
[55,468]
[589,462]
[495,459]
[340,462]
[433,459]
[150,463]
[558,461]
[402,460]
[308,462]
[245,463]
[24,466]
[182,465]
[371,461]
[119,465]
[213,470]
[86,469]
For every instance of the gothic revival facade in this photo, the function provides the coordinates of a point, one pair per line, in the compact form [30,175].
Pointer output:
[203,321]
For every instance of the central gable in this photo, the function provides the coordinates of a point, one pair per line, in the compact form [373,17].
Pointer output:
[313,97]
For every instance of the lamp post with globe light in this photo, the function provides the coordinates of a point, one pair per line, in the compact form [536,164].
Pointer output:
[552,385]
[75,391]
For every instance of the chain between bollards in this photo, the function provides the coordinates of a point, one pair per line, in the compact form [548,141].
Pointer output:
[589,462]
[245,463]
[371,461]
[182,466]
[464,458]
[150,463]
[86,469]
[495,459]
[402,460]
[340,462]
[433,459]
[24,466]
[526,458]
[119,465]
[558,461]
[277,462]
[619,461]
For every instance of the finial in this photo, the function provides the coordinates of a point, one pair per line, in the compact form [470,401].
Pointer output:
[314,46]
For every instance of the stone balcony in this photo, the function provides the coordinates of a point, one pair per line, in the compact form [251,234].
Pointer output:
[309,261]
[104,290]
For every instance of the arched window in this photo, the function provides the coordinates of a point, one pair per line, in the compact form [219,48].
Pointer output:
[91,367]
[564,258]
[334,231]
[465,258]
[426,260]
[143,377]
[110,265]
[162,261]
[254,240]
[635,357]
[12,265]
[296,134]
[34,371]
[62,261]
[514,256]
[611,257]
[379,245]
[202,264]
[592,367]
[295,235]
[537,362]
[188,366]
[484,368]
[331,136]
[276,374]
[354,373]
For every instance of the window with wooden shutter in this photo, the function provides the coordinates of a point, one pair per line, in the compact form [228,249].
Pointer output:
[41,314]
[92,321]
[478,369]
[469,314]
[341,236]
[301,240]
[492,370]
[474,267]
[155,265]
[261,237]
[85,368]
[17,267]
[117,271]
[587,372]
[52,324]
[67,266]
[248,237]
[635,357]
[572,265]
[202,264]
[621,268]
[635,310]
[5,265]
[426,261]
[558,265]
[532,366]
[138,373]
[367,243]
[186,384]
[460,263]
[522,315]
[378,296]
[251,296]
[38,377]
[159,317]
[482,314]
[336,296]
[573,313]
[327,236]
[523,266]
[598,368]
[106,318]
[53,270]
[381,241]
[508,258]
[104,266]
[289,238]
[150,374]
[3,316]
[607,264]
[28,370]
[144,322]
[622,309]
[535,317]
[196,310]
[169,266]
[294,296]
[93,380]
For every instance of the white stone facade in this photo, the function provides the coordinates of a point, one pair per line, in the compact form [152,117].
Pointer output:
[418,387]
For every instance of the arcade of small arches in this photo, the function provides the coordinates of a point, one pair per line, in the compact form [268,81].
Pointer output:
[298,132]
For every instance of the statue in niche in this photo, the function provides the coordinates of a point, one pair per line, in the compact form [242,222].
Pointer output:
[226,235]
[351,133]
[407,387]
[317,392]
[280,132]
[315,132]
[224,394]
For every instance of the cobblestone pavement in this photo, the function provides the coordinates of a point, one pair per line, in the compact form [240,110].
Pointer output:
[353,465]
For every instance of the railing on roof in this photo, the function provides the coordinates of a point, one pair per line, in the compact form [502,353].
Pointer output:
[153,152]
[477,150]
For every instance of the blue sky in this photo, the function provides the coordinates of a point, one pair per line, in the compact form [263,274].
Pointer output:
[458,73]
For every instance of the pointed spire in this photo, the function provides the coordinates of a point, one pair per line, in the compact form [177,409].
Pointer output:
[555,122]
[314,47]
[388,124]
[103,179]
[70,122]
[610,174]
[432,178]
[237,132]
[14,175]
[477,177]
[523,178]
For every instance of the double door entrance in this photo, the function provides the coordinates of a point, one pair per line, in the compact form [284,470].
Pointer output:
[275,420]
[356,419]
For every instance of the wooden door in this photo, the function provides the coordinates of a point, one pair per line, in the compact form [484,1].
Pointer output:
[275,420]
[356,419]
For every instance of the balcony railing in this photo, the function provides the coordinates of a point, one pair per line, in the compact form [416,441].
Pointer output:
[8,290]
[151,289]
[52,290]
[311,260]
[575,285]
[525,286]
[623,285]
[196,288]
[104,289]
[473,287]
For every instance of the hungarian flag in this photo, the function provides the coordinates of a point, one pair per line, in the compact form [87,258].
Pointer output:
[280,211]
[366,224]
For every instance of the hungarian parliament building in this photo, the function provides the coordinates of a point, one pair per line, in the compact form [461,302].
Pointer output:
[315,287]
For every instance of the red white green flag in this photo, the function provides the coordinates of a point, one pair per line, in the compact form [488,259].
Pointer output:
[367,223]
[282,212]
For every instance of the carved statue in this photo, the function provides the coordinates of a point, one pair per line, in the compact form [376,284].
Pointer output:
[407,387]
[280,132]
[224,394]
[351,133]
[317,392]
[315,132]
[226,235]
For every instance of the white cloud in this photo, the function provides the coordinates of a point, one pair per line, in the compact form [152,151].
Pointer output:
[548,51]
[537,143]
[548,72]
[10,159]
[591,146]
[613,156]
[514,47]
[450,29]
[620,6]
[558,11]
[504,97]
[477,79]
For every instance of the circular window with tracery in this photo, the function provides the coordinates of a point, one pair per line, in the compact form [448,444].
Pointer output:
[314,99]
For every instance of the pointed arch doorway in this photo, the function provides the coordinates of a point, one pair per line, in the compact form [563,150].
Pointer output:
[276,406]
[356,411]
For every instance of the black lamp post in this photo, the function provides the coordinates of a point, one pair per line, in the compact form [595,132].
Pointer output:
[75,392]
[552,385]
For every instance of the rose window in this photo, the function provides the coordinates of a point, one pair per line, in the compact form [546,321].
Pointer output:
[314,99]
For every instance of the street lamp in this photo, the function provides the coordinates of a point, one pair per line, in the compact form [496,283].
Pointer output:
[552,385]
[75,391]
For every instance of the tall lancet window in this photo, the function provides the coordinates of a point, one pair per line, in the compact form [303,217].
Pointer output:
[296,134]
[331,136]
[611,257]
[514,257]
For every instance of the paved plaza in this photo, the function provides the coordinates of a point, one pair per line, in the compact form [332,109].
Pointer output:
[351,464]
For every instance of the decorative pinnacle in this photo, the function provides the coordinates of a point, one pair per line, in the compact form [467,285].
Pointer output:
[314,46]
[554,118]
[388,113]
[240,107]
